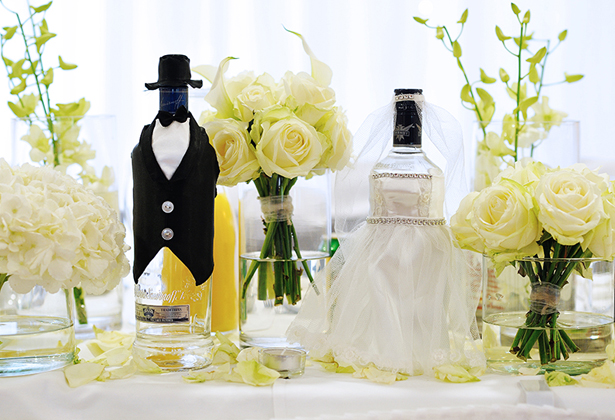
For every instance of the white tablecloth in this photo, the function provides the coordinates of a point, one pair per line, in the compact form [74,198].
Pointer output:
[318,393]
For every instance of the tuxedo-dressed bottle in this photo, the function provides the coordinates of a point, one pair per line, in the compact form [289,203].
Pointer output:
[174,171]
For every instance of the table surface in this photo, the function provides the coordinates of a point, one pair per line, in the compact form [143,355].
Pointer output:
[47,396]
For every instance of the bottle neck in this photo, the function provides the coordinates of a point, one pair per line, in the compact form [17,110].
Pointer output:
[172,98]
[407,131]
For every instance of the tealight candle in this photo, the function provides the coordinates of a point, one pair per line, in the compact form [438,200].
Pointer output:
[290,363]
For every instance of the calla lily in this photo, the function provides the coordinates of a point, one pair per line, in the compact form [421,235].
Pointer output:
[207,71]
[320,71]
[217,95]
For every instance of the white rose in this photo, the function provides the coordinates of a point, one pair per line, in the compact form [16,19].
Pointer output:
[602,243]
[258,95]
[336,129]
[504,216]
[301,88]
[285,144]
[570,205]
[461,227]
[526,172]
[235,154]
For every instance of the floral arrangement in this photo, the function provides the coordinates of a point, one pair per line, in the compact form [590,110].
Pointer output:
[533,211]
[270,134]
[57,234]
[53,131]
[519,129]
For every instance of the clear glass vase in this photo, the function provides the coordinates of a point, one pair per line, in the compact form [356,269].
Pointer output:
[579,314]
[553,145]
[98,145]
[270,286]
[36,331]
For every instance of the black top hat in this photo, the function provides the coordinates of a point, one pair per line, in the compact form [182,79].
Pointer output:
[174,71]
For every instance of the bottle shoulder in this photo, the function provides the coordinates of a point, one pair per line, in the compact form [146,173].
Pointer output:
[406,161]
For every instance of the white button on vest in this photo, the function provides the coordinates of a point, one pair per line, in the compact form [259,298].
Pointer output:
[167,234]
[168,207]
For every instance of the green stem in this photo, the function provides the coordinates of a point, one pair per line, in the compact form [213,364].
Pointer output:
[303,262]
[3,279]
[480,118]
[82,315]
[517,129]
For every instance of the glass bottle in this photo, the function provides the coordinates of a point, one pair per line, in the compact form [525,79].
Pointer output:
[173,314]
[412,179]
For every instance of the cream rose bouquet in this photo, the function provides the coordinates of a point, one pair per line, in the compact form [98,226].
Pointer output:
[550,214]
[57,234]
[270,134]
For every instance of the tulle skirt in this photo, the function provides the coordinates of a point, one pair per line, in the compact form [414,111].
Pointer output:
[396,296]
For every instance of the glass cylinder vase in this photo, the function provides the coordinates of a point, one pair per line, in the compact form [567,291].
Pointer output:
[86,146]
[529,322]
[552,144]
[36,331]
[284,244]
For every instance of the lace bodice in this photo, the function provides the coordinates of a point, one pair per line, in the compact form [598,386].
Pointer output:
[394,194]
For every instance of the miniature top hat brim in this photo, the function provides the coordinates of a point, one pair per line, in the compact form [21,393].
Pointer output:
[174,71]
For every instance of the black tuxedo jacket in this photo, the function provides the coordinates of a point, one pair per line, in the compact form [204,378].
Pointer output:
[191,192]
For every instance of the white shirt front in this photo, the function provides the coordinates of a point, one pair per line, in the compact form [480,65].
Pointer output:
[170,144]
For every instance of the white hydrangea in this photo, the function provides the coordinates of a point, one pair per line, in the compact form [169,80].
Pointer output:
[57,234]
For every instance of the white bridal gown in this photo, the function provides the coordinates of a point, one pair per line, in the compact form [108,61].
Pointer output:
[396,294]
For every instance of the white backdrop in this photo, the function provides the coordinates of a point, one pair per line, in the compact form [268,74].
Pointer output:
[371,46]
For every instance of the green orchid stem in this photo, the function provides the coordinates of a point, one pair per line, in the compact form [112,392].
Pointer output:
[82,315]
[480,118]
[517,128]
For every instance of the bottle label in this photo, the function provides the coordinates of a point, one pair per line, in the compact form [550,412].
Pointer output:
[175,314]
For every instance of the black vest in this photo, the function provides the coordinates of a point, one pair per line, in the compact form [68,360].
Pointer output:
[190,191]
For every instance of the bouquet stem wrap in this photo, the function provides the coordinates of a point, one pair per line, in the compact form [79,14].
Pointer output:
[280,242]
[547,277]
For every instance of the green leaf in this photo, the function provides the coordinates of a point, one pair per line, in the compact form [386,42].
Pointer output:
[484,96]
[456,49]
[44,28]
[500,34]
[420,20]
[32,68]
[64,65]
[562,35]
[464,17]
[537,58]
[41,40]
[486,79]
[526,17]
[465,94]
[42,8]
[439,32]
[504,77]
[48,79]
[19,88]
[571,78]
[10,31]
[515,9]
[534,77]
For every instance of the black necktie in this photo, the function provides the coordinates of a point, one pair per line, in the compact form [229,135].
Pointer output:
[166,118]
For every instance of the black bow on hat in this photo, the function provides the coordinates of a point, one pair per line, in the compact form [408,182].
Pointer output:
[174,71]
